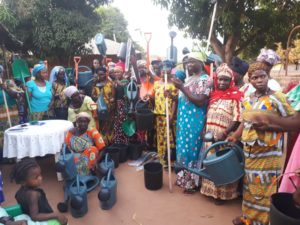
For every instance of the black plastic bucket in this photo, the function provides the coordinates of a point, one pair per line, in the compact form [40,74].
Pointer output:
[123,151]
[283,210]
[135,150]
[144,119]
[114,154]
[153,174]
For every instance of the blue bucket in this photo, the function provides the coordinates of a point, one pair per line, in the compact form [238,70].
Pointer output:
[108,193]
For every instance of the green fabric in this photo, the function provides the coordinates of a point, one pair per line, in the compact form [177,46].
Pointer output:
[294,97]
[10,101]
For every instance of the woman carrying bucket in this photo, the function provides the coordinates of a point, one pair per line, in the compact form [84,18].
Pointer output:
[223,117]
[262,149]
[160,111]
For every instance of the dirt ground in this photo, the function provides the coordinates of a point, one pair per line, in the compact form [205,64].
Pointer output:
[149,207]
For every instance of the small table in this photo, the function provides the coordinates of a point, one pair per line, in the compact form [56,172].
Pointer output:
[41,139]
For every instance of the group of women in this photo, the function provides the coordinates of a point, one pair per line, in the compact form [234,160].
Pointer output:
[199,102]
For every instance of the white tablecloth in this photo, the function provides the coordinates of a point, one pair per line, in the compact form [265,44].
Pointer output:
[35,140]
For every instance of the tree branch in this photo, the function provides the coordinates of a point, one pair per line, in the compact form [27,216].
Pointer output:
[247,42]
[217,46]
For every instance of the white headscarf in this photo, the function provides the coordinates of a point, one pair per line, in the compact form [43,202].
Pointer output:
[69,91]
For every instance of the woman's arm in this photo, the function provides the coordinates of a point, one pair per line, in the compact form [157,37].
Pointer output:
[235,136]
[198,100]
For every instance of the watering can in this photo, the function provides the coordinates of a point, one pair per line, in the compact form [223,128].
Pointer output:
[66,165]
[85,77]
[106,165]
[132,93]
[78,198]
[108,192]
[223,167]
[100,43]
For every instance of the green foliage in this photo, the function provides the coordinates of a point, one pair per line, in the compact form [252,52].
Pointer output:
[245,25]
[113,23]
[54,27]
[6,16]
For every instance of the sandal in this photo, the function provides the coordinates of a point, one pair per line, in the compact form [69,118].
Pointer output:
[238,221]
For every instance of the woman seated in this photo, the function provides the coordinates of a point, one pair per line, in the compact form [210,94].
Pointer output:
[85,142]
[80,103]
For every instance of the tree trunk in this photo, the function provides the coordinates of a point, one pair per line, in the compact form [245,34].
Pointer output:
[225,51]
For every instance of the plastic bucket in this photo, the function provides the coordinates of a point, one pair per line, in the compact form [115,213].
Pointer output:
[123,152]
[144,119]
[283,210]
[114,154]
[153,174]
[135,150]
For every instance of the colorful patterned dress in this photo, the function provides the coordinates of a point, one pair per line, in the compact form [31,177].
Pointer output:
[190,123]
[87,146]
[106,126]
[219,116]
[263,151]
[60,103]
[160,112]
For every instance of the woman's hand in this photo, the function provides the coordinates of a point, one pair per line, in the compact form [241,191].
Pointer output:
[232,138]
[221,136]
[177,83]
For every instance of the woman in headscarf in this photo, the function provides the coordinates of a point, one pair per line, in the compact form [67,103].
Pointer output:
[40,92]
[119,137]
[269,58]
[80,103]
[59,102]
[161,92]
[223,117]
[104,89]
[262,149]
[85,142]
[192,103]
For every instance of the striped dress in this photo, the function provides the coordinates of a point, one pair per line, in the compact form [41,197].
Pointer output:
[263,151]
[220,115]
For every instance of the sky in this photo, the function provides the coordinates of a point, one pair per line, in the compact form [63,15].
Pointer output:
[143,16]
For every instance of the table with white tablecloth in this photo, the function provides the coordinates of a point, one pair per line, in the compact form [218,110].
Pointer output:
[45,137]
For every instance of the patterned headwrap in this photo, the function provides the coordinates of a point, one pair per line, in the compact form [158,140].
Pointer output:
[141,62]
[83,115]
[258,66]
[224,70]
[232,93]
[268,56]
[37,68]
[69,91]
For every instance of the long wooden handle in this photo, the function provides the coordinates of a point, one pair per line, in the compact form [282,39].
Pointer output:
[168,138]
[76,61]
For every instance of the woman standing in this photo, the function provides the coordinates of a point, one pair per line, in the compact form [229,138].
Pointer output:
[160,110]
[223,117]
[262,149]
[59,101]
[40,92]
[192,102]
[119,136]
[103,88]
[80,103]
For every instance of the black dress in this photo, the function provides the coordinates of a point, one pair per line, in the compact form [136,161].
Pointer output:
[22,197]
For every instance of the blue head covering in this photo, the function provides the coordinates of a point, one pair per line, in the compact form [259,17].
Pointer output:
[37,68]
[168,64]
[239,66]
[180,74]
[54,72]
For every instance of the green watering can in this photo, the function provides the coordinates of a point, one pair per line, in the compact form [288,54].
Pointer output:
[21,71]
[225,166]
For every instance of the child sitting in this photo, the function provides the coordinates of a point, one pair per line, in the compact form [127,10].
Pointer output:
[33,199]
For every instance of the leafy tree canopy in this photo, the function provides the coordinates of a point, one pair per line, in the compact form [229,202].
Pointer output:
[245,25]
[53,27]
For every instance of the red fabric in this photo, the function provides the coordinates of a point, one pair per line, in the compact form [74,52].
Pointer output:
[207,69]
[231,93]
